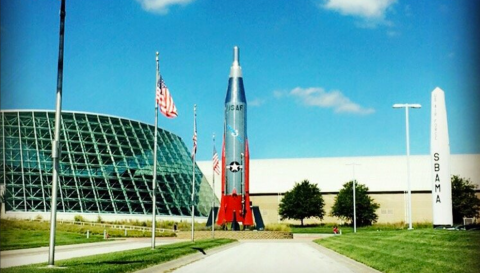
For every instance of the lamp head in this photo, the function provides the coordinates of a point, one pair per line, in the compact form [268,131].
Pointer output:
[398,105]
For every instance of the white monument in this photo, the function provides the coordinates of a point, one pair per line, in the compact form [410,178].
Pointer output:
[440,155]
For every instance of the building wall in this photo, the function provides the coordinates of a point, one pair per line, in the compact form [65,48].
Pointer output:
[385,176]
[392,208]
[378,173]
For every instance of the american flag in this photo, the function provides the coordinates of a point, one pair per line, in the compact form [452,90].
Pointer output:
[194,151]
[165,100]
[216,163]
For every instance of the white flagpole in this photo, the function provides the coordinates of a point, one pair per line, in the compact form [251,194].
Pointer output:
[154,180]
[193,173]
[213,191]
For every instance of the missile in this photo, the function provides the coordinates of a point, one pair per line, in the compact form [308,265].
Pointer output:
[235,199]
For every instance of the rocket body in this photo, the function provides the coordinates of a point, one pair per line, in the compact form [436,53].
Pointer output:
[235,200]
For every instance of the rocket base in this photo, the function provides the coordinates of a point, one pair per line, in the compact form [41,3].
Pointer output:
[235,208]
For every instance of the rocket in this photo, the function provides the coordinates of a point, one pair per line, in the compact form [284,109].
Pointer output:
[235,200]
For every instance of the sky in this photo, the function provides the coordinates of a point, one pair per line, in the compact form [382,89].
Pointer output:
[320,76]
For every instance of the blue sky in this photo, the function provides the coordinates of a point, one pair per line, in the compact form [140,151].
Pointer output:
[320,76]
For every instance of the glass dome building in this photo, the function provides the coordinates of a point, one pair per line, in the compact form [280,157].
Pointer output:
[106,166]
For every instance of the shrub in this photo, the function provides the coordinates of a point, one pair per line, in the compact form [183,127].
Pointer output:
[78,218]
[278,227]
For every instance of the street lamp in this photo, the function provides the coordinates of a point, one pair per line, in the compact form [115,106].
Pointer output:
[406,106]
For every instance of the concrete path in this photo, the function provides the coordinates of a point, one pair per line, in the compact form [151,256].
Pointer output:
[40,255]
[275,256]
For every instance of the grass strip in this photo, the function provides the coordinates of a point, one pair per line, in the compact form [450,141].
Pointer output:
[124,261]
[20,234]
[15,238]
[420,250]
[328,227]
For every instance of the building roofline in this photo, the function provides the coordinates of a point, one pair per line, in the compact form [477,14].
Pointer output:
[79,112]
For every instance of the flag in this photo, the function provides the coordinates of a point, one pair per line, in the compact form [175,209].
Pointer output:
[216,163]
[165,100]
[194,151]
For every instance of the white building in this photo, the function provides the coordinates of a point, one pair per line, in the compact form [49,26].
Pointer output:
[385,176]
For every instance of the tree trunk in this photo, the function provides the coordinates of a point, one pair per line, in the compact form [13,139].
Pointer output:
[301,221]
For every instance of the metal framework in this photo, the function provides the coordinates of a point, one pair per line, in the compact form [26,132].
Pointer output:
[106,166]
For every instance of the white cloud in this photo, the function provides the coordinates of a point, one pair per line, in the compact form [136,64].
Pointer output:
[279,94]
[256,102]
[317,96]
[361,8]
[371,11]
[161,6]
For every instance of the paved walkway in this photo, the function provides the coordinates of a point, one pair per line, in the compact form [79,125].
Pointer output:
[40,255]
[275,256]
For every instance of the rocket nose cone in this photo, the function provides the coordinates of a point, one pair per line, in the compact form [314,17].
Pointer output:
[236,55]
[236,70]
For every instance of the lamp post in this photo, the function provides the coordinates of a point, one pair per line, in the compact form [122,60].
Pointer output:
[406,106]
[354,203]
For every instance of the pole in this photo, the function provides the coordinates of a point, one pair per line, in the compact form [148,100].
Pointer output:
[408,171]
[354,204]
[213,191]
[409,205]
[193,173]
[154,180]
[56,142]
[354,197]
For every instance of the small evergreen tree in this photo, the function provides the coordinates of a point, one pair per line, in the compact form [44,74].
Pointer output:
[303,201]
[464,201]
[364,205]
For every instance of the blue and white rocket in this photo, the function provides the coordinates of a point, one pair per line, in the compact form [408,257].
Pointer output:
[235,200]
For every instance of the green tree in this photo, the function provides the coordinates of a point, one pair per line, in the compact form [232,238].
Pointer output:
[464,201]
[303,201]
[364,205]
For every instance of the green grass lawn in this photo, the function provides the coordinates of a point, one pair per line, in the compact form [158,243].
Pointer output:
[124,261]
[419,250]
[15,238]
[18,234]
[328,228]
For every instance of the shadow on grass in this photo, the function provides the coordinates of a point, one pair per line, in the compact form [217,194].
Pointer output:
[122,262]
[107,262]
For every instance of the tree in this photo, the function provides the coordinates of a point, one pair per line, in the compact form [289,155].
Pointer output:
[303,201]
[464,201]
[364,205]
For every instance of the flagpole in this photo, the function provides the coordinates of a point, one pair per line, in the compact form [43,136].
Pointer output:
[213,191]
[56,141]
[154,180]
[193,171]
